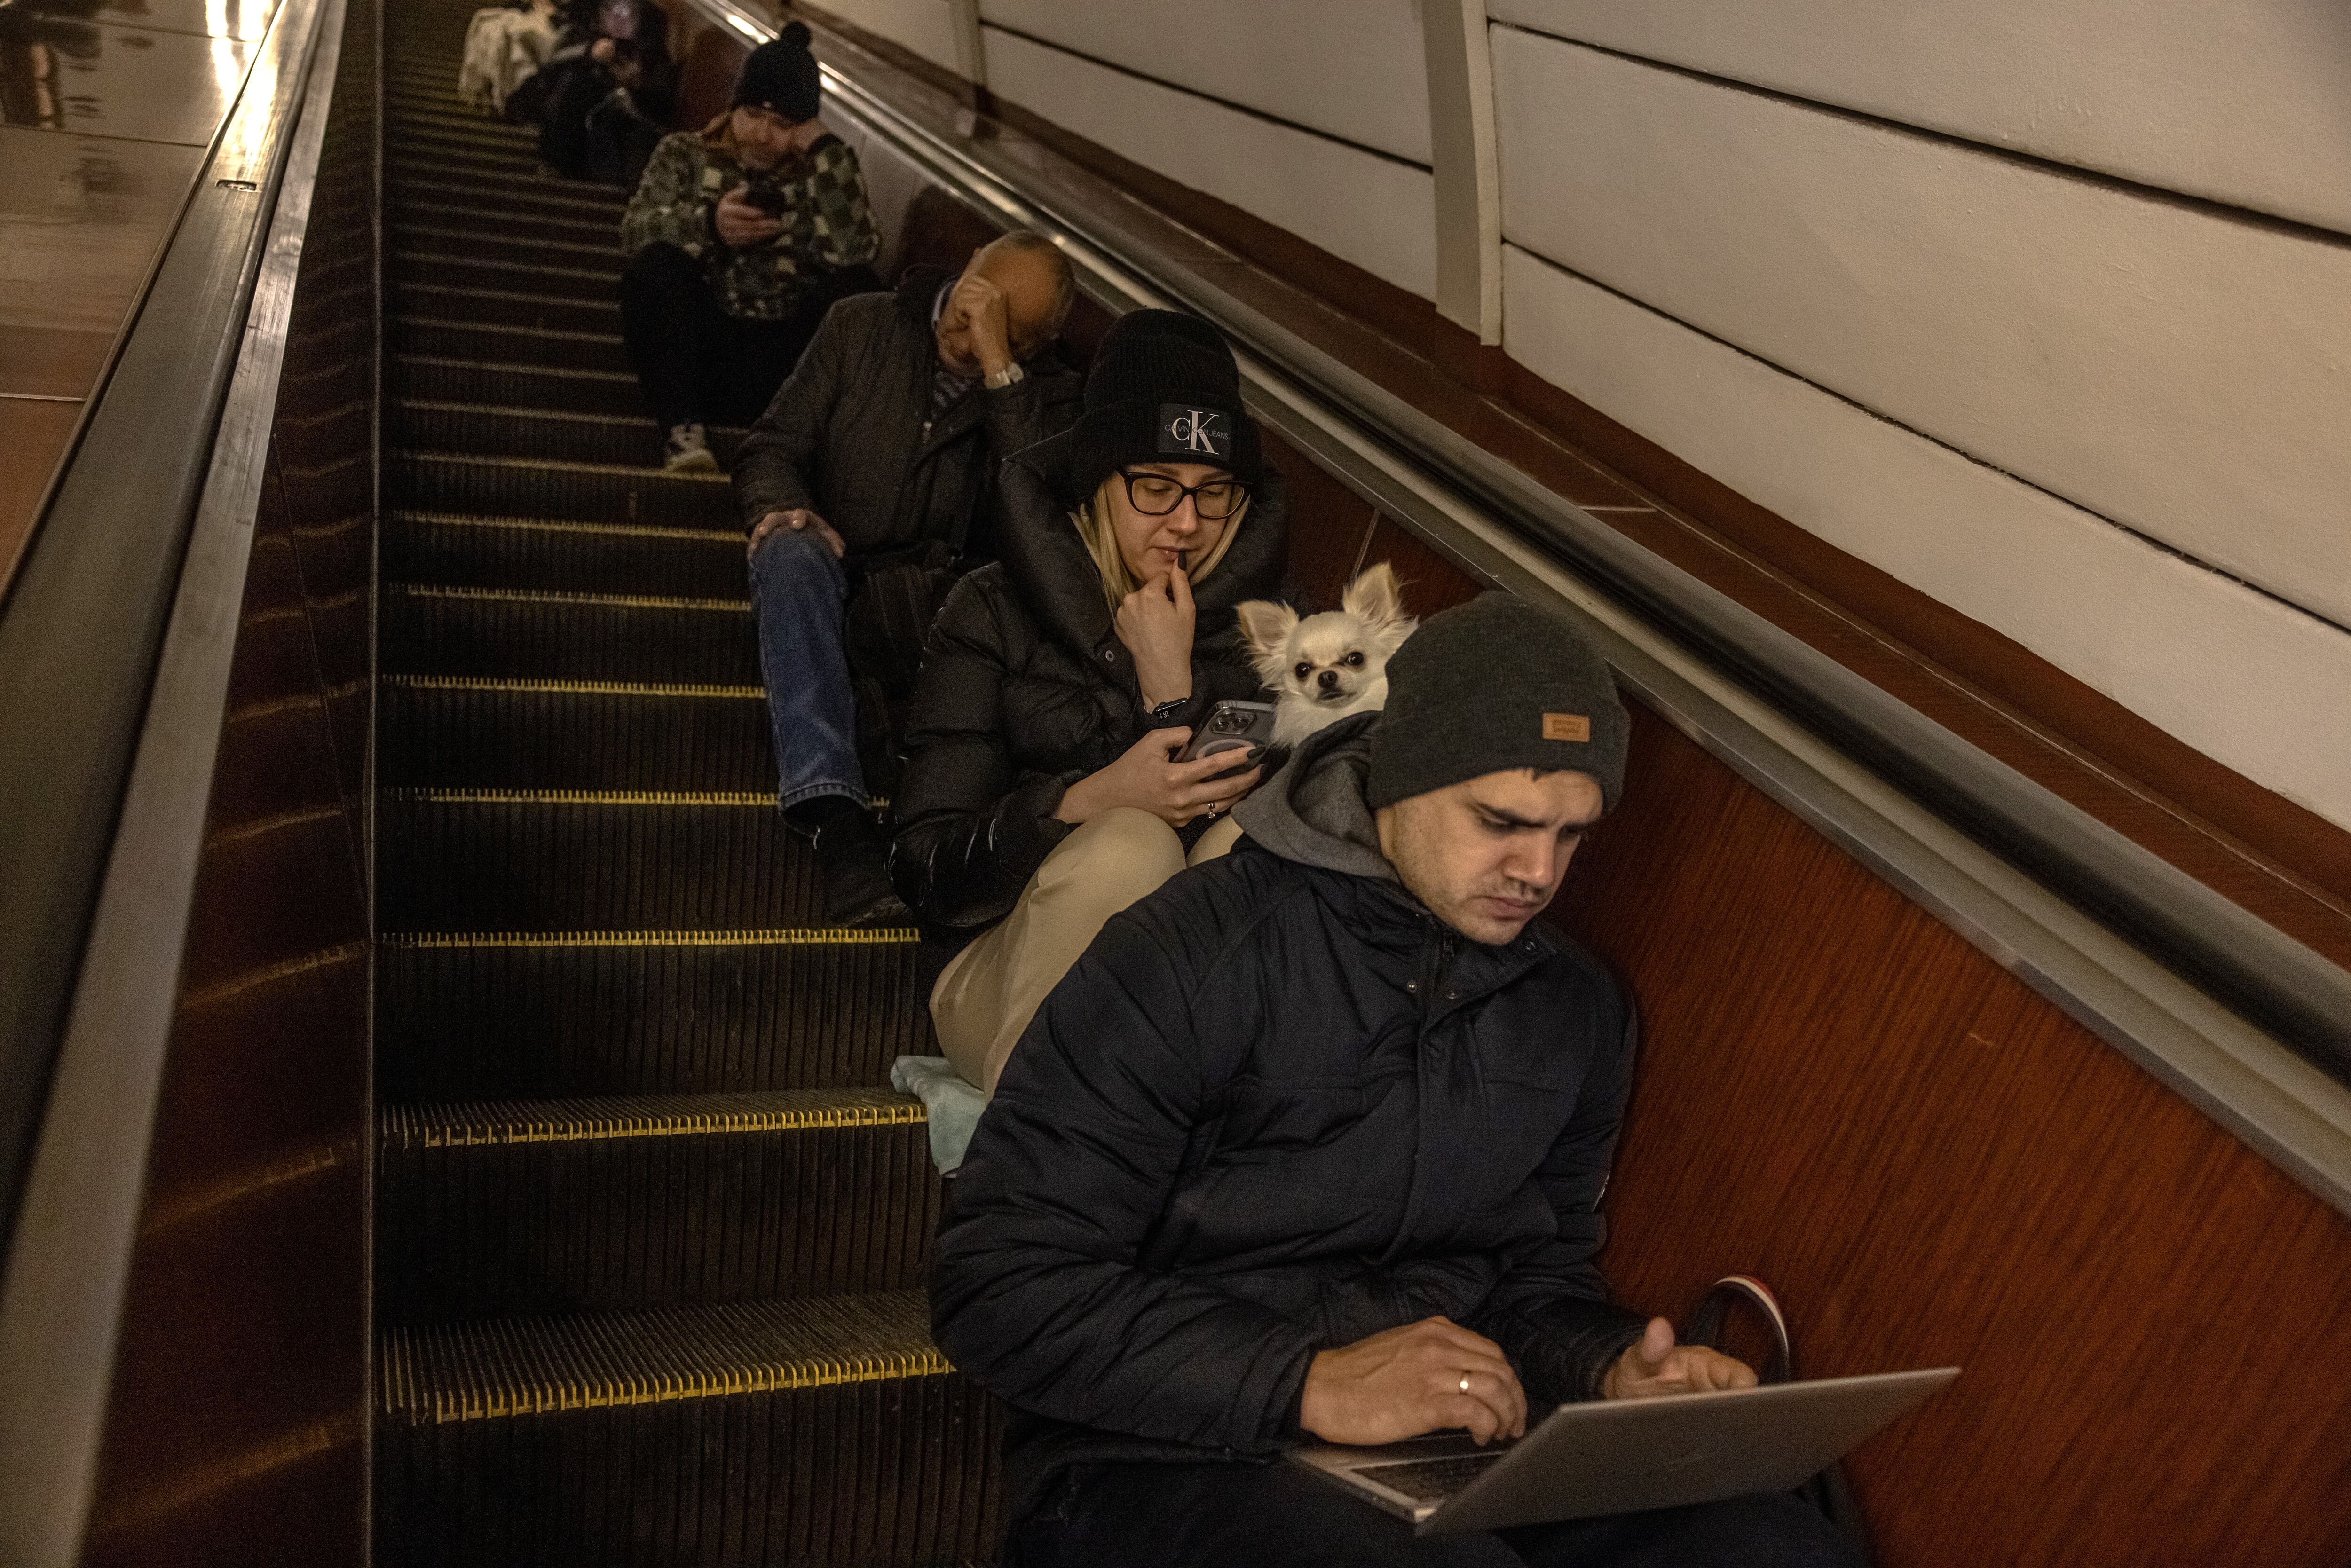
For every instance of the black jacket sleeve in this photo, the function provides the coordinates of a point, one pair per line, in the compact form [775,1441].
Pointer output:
[772,471]
[1037,1289]
[1551,1312]
[971,827]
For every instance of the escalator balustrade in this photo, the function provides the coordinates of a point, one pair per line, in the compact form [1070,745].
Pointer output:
[651,1228]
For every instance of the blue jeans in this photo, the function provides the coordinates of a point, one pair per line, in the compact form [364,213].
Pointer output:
[797,594]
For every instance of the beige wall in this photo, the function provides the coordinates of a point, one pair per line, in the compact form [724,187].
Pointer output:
[2041,306]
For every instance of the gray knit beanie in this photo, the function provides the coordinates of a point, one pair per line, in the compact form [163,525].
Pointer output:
[1490,686]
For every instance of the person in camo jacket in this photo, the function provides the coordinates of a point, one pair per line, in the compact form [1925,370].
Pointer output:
[739,237]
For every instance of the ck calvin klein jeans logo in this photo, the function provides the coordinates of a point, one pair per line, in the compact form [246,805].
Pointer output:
[1188,431]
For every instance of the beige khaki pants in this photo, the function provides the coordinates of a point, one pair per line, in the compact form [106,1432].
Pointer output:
[987,995]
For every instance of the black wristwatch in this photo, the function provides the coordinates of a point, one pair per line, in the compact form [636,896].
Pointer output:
[1167,711]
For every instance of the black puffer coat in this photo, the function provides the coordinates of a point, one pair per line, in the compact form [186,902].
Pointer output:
[1278,1107]
[1026,689]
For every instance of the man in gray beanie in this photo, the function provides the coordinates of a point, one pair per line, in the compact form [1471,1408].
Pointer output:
[1311,1144]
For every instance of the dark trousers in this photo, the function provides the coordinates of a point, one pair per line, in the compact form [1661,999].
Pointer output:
[697,364]
[1278,1516]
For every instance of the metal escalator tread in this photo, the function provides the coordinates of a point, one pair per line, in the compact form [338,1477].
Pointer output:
[555,1014]
[627,1203]
[821,1430]
[649,1227]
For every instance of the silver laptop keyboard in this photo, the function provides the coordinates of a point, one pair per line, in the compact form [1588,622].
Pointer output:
[1428,1481]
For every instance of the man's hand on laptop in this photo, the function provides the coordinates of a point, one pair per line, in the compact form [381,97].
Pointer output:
[1422,1377]
[1655,1364]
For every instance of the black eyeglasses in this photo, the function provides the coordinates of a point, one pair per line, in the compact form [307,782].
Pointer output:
[1155,495]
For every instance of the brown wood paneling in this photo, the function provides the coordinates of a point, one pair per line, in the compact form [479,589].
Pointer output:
[1328,525]
[1431,582]
[1932,1164]
[2279,860]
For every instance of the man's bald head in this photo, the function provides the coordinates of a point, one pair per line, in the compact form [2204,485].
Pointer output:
[1031,278]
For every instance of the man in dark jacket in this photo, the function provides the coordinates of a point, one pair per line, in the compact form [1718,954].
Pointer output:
[874,467]
[1310,1144]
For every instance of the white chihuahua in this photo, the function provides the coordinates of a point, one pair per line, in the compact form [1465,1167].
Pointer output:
[1327,666]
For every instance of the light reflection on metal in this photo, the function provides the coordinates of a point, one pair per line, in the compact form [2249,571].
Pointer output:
[749,28]
[216,18]
[244,135]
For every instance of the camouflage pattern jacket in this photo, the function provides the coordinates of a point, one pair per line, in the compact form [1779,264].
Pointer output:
[827,223]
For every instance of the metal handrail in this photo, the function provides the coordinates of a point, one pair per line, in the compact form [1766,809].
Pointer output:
[2251,1025]
[171,471]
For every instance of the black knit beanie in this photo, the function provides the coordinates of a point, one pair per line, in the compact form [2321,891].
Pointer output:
[781,75]
[1164,389]
[1490,686]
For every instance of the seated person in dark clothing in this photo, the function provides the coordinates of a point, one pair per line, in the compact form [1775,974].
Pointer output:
[1039,798]
[604,98]
[740,236]
[879,455]
[1311,1143]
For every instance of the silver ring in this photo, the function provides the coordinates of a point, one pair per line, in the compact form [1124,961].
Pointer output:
[1465,1383]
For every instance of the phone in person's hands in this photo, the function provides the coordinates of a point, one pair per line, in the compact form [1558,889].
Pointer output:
[1246,729]
[766,198]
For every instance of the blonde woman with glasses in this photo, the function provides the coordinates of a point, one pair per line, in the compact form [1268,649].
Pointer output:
[1041,796]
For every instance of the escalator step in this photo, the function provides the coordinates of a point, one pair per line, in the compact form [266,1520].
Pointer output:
[504,859]
[581,557]
[467,1015]
[510,344]
[617,1205]
[576,203]
[492,430]
[417,262]
[483,219]
[604,258]
[463,733]
[819,1431]
[437,167]
[520,386]
[540,488]
[517,635]
[510,308]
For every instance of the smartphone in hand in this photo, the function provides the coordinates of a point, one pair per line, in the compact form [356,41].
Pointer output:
[1245,728]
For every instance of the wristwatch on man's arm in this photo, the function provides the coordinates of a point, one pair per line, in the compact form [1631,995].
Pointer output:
[1004,377]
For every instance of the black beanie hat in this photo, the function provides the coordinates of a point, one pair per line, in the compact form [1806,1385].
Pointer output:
[781,75]
[1164,389]
[1493,685]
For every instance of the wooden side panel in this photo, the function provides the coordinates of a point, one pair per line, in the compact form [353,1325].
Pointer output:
[237,1426]
[1934,1166]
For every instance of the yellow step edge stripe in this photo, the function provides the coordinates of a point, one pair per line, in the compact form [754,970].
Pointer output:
[572,688]
[536,526]
[647,1385]
[790,936]
[487,1131]
[582,796]
[556,596]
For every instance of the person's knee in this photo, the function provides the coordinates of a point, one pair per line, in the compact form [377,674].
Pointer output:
[1114,859]
[656,269]
[796,561]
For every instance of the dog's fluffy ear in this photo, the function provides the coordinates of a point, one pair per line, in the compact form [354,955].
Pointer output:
[1375,598]
[1266,627]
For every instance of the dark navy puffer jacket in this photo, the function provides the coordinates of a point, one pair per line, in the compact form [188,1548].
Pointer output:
[1275,1108]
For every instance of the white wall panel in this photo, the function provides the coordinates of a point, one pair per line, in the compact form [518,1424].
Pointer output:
[892,181]
[2255,685]
[1351,67]
[1363,208]
[2239,100]
[2185,374]
[925,27]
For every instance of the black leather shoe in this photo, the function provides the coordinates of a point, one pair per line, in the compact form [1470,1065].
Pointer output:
[852,857]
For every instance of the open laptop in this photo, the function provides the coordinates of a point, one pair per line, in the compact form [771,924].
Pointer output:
[1621,1456]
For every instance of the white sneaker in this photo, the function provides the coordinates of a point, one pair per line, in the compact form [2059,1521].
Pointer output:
[688,451]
